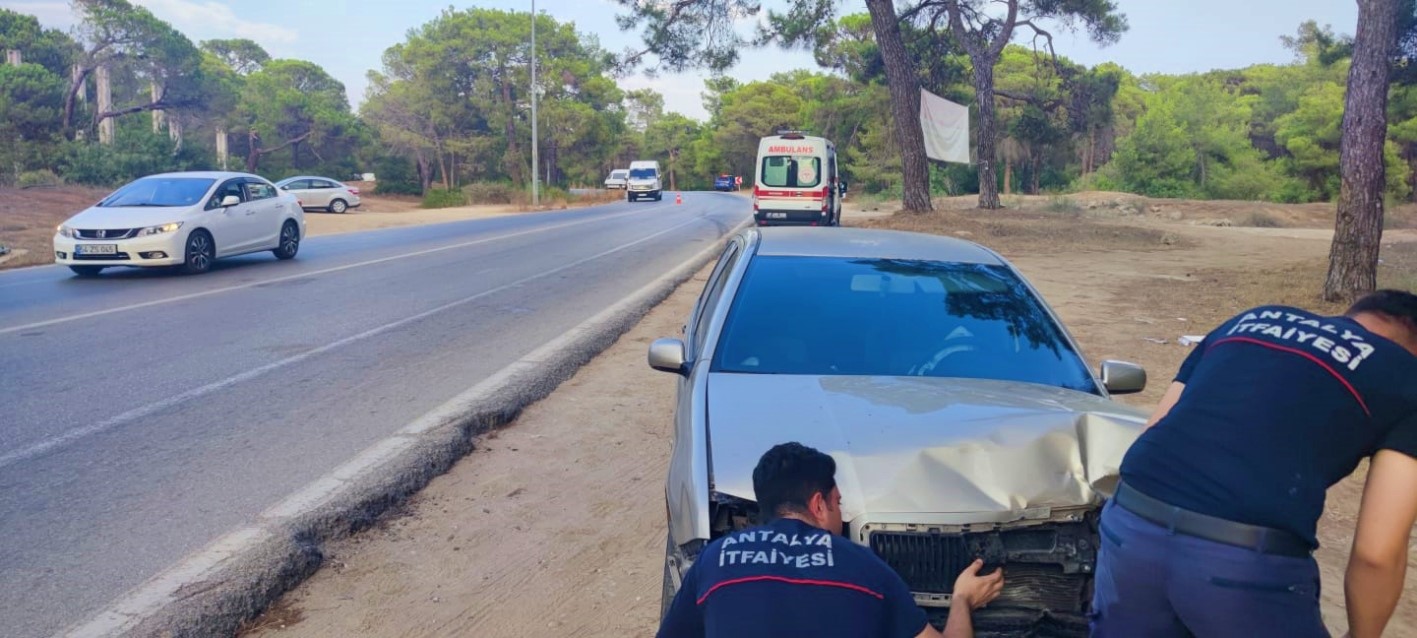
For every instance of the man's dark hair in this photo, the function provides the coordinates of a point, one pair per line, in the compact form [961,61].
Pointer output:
[1398,305]
[787,476]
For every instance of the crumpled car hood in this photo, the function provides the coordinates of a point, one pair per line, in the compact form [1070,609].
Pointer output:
[920,445]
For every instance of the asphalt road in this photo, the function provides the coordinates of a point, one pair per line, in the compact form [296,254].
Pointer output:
[144,414]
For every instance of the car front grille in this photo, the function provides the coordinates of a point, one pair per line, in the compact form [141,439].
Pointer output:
[106,233]
[1047,567]
[927,562]
[101,257]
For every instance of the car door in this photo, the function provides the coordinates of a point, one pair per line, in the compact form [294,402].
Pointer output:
[224,223]
[328,191]
[300,188]
[263,215]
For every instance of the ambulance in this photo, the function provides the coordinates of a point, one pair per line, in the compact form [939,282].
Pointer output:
[796,181]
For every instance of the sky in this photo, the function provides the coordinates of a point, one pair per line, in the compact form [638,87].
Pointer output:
[348,37]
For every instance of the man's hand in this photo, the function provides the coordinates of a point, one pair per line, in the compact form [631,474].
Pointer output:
[974,591]
[1377,564]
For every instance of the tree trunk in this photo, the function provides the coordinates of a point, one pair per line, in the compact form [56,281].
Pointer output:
[75,95]
[1035,179]
[905,106]
[512,163]
[1008,177]
[1353,257]
[988,135]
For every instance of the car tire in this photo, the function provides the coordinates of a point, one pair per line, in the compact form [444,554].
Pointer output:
[86,271]
[338,206]
[199,253]
[289,241]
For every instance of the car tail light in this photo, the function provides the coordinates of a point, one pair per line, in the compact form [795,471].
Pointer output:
[353,191]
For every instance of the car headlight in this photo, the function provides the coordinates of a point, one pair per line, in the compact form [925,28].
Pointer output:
[160,230]
[65,231]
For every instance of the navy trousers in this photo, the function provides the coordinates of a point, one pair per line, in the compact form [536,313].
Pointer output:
[1154,583]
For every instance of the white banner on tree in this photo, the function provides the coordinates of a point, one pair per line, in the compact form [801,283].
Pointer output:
[946,128]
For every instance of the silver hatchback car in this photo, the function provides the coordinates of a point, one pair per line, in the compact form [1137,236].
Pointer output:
[963,418]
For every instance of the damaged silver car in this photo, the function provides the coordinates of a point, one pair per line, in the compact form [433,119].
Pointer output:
[962,416]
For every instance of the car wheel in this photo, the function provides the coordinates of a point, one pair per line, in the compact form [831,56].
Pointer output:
[86,271]
[289,241]
[338,206]
[201,252]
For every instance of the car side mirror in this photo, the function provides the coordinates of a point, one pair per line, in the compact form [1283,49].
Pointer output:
[286,187]
[1121,377]
[229,201]
[667,355]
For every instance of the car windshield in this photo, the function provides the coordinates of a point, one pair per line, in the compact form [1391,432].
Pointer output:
[159,191]
[641,173]
[882,317]
[792,171]
[618,174]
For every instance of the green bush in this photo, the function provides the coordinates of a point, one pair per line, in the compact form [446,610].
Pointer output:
[396,176]
[493,193]
[135,152]
[439,198]
[42,177]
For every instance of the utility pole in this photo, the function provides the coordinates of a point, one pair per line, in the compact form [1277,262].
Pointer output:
[535,172]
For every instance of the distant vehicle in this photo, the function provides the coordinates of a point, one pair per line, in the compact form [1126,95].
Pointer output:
[644,181]
[618,179]
[723,183]
[954,400]
[181,219]
[321,193]
[796,181]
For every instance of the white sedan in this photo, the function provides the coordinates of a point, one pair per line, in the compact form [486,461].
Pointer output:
[181,219]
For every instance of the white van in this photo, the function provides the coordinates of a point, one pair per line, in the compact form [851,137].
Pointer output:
[617,179]
[796,181]
[644,181]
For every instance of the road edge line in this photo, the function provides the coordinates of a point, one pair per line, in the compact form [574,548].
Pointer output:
[215,590]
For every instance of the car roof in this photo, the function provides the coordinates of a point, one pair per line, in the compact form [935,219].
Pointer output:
[328,179]
[205,174]
[871,243]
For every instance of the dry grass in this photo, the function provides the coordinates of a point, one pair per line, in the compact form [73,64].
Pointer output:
[28,217]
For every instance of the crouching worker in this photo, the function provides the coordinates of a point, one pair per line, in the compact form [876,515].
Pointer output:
[796,576]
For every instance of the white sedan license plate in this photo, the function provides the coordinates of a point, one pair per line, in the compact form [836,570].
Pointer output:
[777,215]
[96,249]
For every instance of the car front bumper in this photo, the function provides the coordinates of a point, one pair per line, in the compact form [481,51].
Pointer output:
[138,251]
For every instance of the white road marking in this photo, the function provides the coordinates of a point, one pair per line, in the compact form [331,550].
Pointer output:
[47,445]
[371,262]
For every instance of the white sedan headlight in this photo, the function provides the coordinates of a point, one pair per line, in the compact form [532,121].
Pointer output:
[160,230]
[65,231]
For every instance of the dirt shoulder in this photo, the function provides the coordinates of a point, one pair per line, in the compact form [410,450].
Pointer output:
[556,522]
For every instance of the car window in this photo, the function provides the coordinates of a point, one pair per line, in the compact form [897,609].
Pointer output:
[881,317]
[792,171]
[643,173]
[259,190]
[320,183]
[708,300]
[298,185]
[230,187]
[159,191]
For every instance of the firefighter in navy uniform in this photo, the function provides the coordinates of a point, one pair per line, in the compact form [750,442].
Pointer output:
[796,576]
[1212,529]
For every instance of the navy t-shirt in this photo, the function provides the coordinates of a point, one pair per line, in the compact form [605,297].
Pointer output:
[1279,405]
[788,578]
